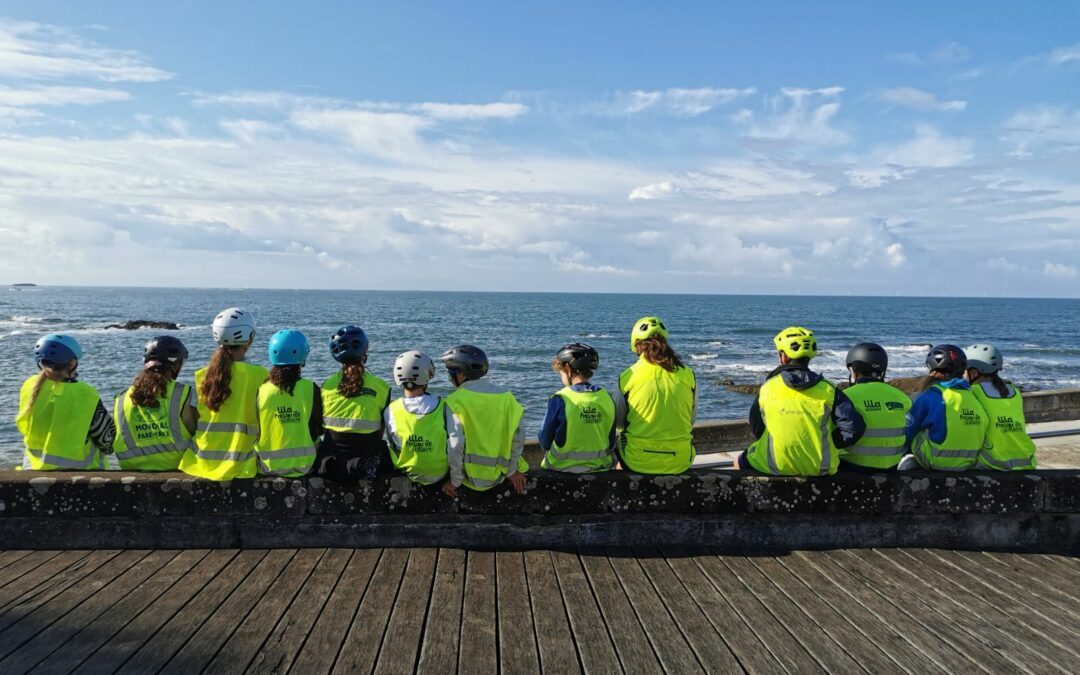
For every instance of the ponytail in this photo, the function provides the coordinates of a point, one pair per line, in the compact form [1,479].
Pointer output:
[37,388]
[352,379]
[658,352]
[285,377]
[999,384]
[215,388]
[49,371]
[150,385]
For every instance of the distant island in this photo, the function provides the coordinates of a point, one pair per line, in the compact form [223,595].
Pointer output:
[22,285]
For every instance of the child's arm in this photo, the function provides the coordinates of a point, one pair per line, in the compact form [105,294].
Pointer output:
[391,433]
[620,408]
[455,447]
[554,420]
[517,447]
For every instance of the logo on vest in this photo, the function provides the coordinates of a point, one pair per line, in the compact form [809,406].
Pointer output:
[418,444]
[894,405]
[367,391]
[1006,424]
[590,415]
[286,415]
[145,431]
[970,417]
[872,406]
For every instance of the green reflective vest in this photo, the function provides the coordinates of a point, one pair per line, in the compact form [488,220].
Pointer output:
[884,408]
[361,414]
[151,439]
[798,430]
[419,447]
[658,437]
[490,422]
[965,424]
[1008,446]
[55,429]
[224,443]
[590,415]
[285,446]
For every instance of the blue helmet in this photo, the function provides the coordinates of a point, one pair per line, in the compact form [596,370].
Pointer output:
[59,349]
[349,344]
[288,348]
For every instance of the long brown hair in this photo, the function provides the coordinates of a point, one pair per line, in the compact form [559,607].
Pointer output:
[49,371]
[999,384]
[215,388]
[285,377]
[151,384]
[352,379]
[658,352]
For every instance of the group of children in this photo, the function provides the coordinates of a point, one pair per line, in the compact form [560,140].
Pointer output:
[241,420]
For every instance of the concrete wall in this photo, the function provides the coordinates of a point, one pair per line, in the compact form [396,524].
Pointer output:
[116,510]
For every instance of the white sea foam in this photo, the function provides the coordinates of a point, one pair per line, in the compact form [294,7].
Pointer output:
[716,343]
[703,357]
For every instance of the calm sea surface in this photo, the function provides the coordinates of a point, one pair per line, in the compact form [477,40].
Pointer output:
[722,337]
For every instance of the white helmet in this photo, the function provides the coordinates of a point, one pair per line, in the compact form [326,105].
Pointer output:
[234,326]
[413,368]
[986,359]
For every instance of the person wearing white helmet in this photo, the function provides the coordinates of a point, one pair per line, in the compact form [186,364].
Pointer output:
[1008,446]
[416,423]
[224,442]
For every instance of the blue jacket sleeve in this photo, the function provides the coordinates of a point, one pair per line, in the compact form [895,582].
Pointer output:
[757,424]
[554,427]
[924,409]
[850,425]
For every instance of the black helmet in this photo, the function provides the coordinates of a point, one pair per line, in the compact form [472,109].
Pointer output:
[580,356]
[948,359]
[164,348]
[868,358]
[470,361]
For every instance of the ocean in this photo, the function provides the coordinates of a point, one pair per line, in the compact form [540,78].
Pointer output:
[723,338]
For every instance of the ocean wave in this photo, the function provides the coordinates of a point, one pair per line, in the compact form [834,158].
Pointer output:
[717,343]
[594,336]
[703,357]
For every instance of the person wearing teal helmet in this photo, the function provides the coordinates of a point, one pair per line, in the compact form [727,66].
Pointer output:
[290,409]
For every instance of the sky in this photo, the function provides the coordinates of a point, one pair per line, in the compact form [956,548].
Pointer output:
[914,148]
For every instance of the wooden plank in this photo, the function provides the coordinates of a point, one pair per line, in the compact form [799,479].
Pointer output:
[120,647]
[439,651]
[401,646]
[1035,568]
[322,645]
[631,644]
[667,641]
[1066,608]
[95,633]
[218,627]
[594,646]
[780,643]
[709,645]
[1017,633]
[52,625]
[554,640]
[872,643]
[479,651]
[9,557]
[280,649]
[1061,566]
[241,647]
[21,562]
[365,636]
[926,646]
[34,571]
[753,656]
[517,637]
[156,649]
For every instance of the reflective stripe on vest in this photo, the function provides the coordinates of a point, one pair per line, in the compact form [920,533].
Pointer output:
[798,430]
[590,416]
[884,409]
[56,428]
[358,414]
[658,437]
[1008,446]
[419,446]
[490,422]
[164,422]
[285,446]
[224,443]
[965,425]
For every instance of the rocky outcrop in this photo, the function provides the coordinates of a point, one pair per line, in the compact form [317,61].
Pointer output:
[143,323]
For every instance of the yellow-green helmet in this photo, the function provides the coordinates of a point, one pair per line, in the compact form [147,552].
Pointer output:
[646,327]
[796,342]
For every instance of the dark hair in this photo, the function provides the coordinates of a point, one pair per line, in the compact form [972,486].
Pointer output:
[658,352]
[285,377]
[999,384]
[215,388]
[151,384]
[560,366]
[352,379]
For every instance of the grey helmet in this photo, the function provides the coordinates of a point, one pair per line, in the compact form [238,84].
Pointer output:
[413,368]
[986,359]
[468,360]
[233,327]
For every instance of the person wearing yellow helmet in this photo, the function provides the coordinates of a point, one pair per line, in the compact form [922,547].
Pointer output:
[655,404]
[800,419]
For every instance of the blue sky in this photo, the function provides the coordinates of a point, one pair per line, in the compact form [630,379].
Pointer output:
[915,148]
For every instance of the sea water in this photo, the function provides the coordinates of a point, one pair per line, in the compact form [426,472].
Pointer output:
[723,338]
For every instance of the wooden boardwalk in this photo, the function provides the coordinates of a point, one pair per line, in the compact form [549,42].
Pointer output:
[398,610]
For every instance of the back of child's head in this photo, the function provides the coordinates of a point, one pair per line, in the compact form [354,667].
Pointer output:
[470,362]
[658,352]
[577,359]
[413,370]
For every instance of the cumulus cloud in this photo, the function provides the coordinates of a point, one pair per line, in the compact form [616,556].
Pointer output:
[929,148]
[917,99]
[797,114]
[1059,271]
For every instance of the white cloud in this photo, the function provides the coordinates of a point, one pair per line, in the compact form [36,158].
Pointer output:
[929,148]
[1043,127]
[381,135]
[916,99]
[57,96]
[460,111]
[1002,265]
[653,190]
[1063,55]
[948,53]
[798,114]
[675,101]
[1059,271]
[248,131]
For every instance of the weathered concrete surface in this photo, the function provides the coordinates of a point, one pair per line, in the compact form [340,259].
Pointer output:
[105,510]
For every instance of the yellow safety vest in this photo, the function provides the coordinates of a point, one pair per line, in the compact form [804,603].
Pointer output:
[1008,446]
[658,437]
[55,429]
[490,422]
[285,446]
[422,443]
[884,408]
[798,430]
[590,415]
[224,443]
[361,414]
[965,433]
[151,439]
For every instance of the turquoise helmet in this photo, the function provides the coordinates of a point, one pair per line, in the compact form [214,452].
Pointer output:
[288,348]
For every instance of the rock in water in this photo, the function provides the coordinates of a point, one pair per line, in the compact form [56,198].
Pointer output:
[143,323]
[912,386]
